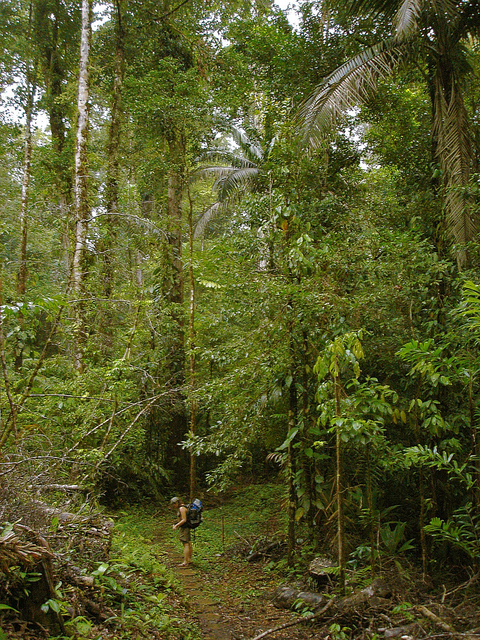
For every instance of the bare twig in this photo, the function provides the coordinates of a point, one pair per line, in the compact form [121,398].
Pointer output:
[110,425]
[121,438]
[241,538]
[67,395]
[435,619]
[128,349]
[472,580]
[318,614]
[127,408]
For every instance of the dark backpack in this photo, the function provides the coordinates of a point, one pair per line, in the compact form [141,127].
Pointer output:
[194,514]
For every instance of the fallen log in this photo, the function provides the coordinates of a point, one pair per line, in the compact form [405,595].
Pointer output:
[376,593]
[286,597]
[57,487]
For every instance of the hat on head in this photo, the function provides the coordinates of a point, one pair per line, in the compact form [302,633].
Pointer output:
[174,500]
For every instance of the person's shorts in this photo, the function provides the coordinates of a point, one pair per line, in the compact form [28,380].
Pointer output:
[184,534]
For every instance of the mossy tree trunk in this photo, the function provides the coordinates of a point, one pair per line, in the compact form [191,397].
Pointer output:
[82,206]
[27,161]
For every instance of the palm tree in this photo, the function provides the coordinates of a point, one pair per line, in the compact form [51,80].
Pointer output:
[237,171]
[438,34]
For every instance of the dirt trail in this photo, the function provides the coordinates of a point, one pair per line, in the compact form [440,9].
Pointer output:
[205,608]
[231,600]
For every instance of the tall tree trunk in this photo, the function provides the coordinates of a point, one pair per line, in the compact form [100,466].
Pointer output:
[107,242]
[453,141]
[371,525]
[174,294]
[22,263]
[475,444]
[54,76]
[306,461]
[292,424]
[421,489]
[114,136]
[27,159]
[82,207]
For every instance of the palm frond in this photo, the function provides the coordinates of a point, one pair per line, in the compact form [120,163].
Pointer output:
[454,151]
[226,156]
[448,9]
[406,18]
[469,22]
[207,216]
[141,222]
[371,7]
[238,180]
[236,174]
[249,143]
[218,170]
[352,83]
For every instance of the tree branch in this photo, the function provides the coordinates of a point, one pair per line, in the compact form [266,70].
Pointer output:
[295,622]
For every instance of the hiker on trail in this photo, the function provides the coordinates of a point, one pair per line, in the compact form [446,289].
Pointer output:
[184,531]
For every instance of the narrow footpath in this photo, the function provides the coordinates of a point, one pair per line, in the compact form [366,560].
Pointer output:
[206,609]
[231,600]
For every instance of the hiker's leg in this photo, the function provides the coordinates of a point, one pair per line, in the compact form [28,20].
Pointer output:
[187,552]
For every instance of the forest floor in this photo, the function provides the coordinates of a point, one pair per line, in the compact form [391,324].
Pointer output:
[140,591]
[223,596]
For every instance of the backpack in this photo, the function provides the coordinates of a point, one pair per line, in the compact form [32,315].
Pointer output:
[194,514]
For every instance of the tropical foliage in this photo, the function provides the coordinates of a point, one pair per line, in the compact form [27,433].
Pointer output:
[437,37]
[312,320]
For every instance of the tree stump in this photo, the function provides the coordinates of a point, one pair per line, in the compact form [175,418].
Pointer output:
[320,570]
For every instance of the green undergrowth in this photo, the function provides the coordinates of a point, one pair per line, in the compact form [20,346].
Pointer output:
[244,515]
[136,583]
[137,575]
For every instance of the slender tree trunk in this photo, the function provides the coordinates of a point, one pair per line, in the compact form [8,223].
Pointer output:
[11,423]
[292,425]
[421,489]
[307,462]
[22,266]
[191,347]
[82,207]
[54,77]
[370,510]
[292,498]
[475,444]
[339,487]
[108,238]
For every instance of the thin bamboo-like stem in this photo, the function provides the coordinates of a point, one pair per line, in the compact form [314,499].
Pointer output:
[339,487]
[191,345]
